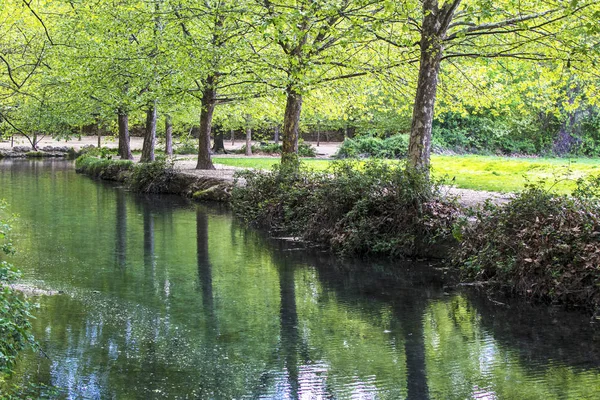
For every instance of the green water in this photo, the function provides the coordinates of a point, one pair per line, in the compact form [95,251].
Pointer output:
[167,299]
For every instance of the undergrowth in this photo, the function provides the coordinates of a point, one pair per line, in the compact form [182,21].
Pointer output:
[152,177]
[369,208]
[370,147]
[102,167]
[304,149]
[541,244]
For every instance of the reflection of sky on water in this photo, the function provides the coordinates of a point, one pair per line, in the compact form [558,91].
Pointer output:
[165,299]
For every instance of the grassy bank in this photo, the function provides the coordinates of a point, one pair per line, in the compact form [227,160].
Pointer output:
[496,174]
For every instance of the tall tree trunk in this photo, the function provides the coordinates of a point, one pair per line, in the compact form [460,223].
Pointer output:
[232,137]
[433,32]
[276,139]
[218,145]
[291,122]
[206,114]
[150,134]
[248,136]
[168,136]
[124,147]
[99,138]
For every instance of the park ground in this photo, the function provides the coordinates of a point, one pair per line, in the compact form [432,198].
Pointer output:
[473,177]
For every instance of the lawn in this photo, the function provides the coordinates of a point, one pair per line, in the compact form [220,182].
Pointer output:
[498,174]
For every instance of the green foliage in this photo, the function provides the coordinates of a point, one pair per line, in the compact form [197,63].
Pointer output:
[541,244]
[153,177]
[187,146]
[304,149]
[105,168]
[393,147]
[15,328]
[489,134]
[371,208]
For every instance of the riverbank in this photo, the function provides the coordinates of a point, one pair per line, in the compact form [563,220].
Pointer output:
[547,256]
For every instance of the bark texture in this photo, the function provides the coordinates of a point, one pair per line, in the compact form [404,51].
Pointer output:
[435,25]
[168,136]
[219,142]
[291,123]
[124,147]
[150,134]
[206,115]
[248,136]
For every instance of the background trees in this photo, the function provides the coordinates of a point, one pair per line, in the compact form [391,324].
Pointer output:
[491,76]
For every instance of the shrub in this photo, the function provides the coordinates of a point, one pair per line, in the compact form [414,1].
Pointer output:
[353,208]
[362,147]
[187,146]
[541,244]
[15,329]
[102,167]
[152,177]
[304,149]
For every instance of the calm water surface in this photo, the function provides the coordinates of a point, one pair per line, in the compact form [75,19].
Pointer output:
[167,299]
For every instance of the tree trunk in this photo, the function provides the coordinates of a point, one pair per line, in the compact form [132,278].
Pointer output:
[318,135]
[276,139]
[219,143]
[124,148]
[99,138]
[206,114]
[232,137]
[150,134]
[168,136]
[291,122]
[248,136]
[433,32]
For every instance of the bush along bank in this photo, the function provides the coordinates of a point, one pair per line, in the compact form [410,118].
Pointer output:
[156,177]
[371,208]
[540,245]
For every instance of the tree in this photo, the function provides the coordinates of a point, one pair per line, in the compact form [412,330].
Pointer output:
[530,30]
[310,43]
[214,51]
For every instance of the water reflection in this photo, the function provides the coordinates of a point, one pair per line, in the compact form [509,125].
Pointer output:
[226,313]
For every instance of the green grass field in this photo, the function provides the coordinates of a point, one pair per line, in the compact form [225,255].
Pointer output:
[497,174]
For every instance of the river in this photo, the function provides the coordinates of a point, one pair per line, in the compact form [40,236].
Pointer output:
[163,298]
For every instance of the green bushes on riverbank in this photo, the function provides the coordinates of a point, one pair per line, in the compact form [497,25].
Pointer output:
[371,208]
[103,168]
[541,245]
[15,328]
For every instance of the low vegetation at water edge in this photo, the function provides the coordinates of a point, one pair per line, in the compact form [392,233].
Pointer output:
[541,245]
[371,208]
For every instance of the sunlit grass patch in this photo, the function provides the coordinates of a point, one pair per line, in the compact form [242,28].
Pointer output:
[497,174]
